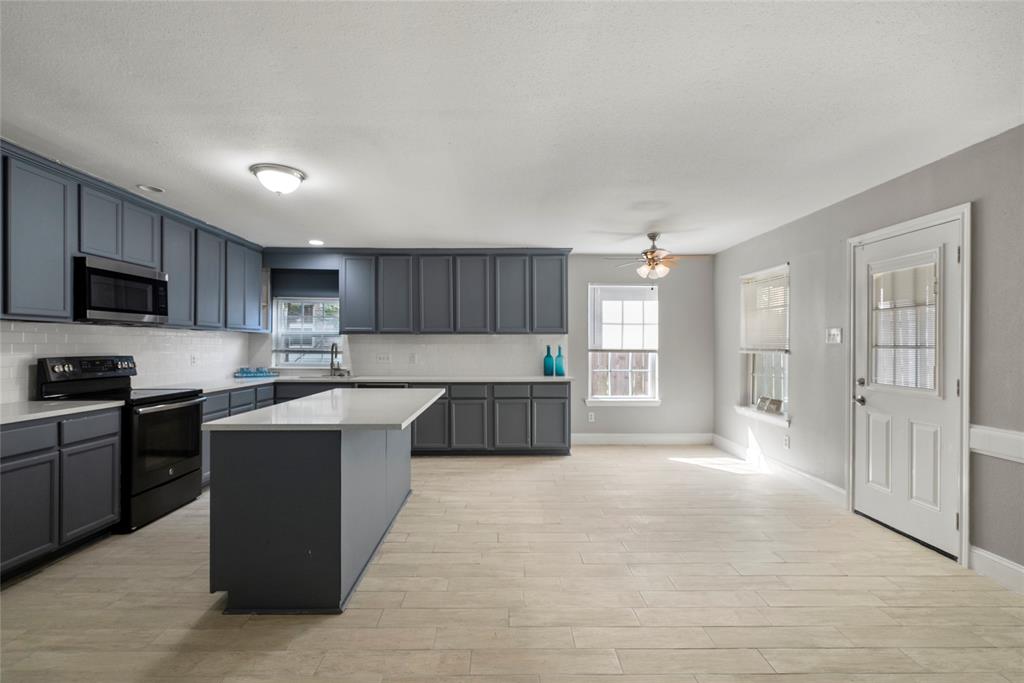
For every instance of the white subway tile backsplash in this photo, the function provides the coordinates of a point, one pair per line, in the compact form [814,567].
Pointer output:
[163,355]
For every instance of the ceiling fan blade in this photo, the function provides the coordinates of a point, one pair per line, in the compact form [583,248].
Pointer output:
[662,253]
[626,265]
[622,258]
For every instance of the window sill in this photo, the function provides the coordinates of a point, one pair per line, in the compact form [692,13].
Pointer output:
[778,420]
[623,402]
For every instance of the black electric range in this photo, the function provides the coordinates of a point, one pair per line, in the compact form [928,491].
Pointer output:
[161,445]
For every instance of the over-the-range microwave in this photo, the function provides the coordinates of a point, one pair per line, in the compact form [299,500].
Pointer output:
[116,292]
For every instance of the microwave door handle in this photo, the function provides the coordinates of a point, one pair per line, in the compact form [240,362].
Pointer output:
[169,406]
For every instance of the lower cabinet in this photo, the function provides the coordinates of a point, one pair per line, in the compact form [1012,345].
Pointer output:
[430,429]
[469,420]
[512,423]
[89,487]
[29,505]
[550,423]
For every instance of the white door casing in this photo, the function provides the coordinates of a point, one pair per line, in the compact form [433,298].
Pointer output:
[909,351]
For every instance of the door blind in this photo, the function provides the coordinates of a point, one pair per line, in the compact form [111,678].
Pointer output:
[764,311]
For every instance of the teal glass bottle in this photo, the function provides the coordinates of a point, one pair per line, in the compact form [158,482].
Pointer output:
[560,363]
[549,364]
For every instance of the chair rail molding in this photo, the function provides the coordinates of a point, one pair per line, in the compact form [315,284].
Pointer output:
[1006,444]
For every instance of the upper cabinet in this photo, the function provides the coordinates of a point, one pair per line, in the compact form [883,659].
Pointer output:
[549,284]
[39,224]
[242,287]
[357,290]
[179,256]
[472,293]
[113,228]
[209,280]
[395,294]
[435,295]
[512,294]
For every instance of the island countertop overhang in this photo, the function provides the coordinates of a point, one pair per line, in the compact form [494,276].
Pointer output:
[335,410]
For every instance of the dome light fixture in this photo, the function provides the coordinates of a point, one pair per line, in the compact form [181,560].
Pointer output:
[316,243]
[278,178]
[150,188]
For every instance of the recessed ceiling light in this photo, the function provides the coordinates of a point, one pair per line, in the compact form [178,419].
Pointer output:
[150,188]
[317,243]
[278,177]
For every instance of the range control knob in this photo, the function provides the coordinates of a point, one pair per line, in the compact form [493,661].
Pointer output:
[58,368]
[67,367]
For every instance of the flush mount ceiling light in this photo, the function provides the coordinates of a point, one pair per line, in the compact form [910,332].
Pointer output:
[278,178]
[150,188]
[316,243]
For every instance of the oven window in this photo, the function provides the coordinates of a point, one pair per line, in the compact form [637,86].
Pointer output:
[120,293]
[166,437]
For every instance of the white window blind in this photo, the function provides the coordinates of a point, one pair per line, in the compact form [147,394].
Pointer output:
[764,311]
[623,318]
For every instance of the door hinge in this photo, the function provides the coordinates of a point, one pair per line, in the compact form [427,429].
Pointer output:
[958,388]
[958,521]
[958,254]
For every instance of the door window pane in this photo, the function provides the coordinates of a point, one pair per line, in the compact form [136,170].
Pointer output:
[904,302]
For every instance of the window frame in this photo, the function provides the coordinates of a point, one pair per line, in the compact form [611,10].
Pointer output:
[594,320]
[751,354]
[276,335]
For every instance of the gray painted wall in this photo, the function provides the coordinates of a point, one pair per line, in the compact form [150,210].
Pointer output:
[989,174]
[686,340]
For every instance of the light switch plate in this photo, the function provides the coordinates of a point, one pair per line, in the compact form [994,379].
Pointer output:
[383,357]
[834,335]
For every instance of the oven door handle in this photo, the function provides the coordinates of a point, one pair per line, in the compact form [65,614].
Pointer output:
[169,406]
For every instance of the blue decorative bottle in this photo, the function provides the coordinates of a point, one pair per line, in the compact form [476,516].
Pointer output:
[549,364]
[560,363]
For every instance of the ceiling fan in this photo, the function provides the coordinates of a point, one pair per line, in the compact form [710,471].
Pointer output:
[653,262]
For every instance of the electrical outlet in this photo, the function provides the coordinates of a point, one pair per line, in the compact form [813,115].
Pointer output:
[193,360]
[383,357]
[414,358]
[785,441]
[591,417]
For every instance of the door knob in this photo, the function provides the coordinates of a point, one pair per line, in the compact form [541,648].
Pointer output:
[860,382]
[860,400]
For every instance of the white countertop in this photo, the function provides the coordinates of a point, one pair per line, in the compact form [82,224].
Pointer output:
[226,384]
[337,409]
[24,411]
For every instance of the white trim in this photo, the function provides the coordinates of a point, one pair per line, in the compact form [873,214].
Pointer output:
[760,415]
[1003,571]
[623,402]
[782,268]
[998,443]
[827,491]
[641,439]
[962,213]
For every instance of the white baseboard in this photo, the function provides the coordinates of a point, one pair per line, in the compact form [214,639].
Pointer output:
[821,488]
[998,443]
[641,439]
[1005,572]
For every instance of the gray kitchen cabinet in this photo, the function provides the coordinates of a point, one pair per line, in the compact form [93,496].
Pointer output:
[512,294]
[29,508]
[209,280]
[99,223]
[430,429]
[357,291]
[472,293]
[179,253]
[140,236]
[90,479]
[234,288]
[436,295]
[550,423]
[42,213]
[286,391]
[395,294]
[469,421]
[265,396]
[253,288]
[242,400]
[512,423]
[549,290]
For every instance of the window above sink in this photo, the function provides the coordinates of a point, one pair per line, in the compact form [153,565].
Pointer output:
[303,331]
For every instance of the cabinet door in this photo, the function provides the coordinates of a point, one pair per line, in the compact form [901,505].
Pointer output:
[99,224]
[253,288]
[435,285]
[178,254]
[140,236]
[473,293]
[469,423]
[209,280]
[512,294]
[512,423]
[41,216]
[550,423]
[234,292]
[430,429]
[358,294]
[90,494]
[549,294]
[29,523]
[394,294]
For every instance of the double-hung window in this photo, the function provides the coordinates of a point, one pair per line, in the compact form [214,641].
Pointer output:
[304,329]
[764,337]
[623,343]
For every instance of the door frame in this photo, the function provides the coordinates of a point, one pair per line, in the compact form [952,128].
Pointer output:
[962,212]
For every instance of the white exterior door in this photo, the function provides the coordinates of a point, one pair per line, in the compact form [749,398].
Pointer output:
[907,367]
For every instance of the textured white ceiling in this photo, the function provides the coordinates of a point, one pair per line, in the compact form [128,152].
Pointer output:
[507,124]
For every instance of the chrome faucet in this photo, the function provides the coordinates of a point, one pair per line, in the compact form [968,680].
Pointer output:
[334,359]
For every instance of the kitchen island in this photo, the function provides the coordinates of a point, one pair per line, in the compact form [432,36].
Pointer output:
[306,491]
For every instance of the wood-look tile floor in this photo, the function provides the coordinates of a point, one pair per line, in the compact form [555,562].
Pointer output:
[622,565]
